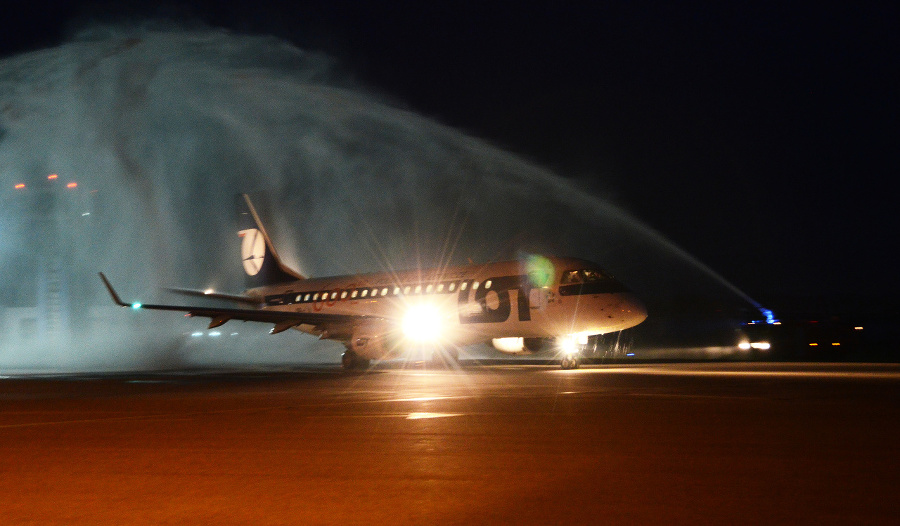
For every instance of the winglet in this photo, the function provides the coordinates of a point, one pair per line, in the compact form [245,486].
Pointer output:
[112,292]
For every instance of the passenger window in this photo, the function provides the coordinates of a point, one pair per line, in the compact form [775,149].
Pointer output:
[428,289]
[440,287]
[365,293]
[298,299]
[463,285]
[396,291]
[354,293]
[418,289]
[475,286]
[487,284]
[306,298]
[451,287]
[316,296]
[343,294]
[406,289]
[334,295]
[384,291]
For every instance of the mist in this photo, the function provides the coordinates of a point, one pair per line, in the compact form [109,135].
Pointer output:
[160,129]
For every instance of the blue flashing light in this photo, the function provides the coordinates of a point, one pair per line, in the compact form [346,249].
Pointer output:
[769,315]
[630,354]
[136,305]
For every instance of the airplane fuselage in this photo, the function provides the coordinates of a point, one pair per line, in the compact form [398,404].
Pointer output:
[516,305]
[475,303]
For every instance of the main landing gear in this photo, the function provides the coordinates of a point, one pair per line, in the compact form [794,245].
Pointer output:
[350,361]
[445,357]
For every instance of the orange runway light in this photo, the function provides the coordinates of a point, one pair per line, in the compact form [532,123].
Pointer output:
[20,186]
[72,185]
[52,177]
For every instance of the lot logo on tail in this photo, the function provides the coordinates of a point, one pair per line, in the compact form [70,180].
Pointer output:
[253,250]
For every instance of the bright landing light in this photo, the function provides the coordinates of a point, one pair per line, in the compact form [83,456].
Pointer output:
[572,343]
[422,323]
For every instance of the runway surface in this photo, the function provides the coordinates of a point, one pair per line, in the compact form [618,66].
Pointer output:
[733,443]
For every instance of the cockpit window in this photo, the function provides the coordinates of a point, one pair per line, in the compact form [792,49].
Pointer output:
[570,277]
[592,275]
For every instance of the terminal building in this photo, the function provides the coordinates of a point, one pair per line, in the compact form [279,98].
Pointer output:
[47,292]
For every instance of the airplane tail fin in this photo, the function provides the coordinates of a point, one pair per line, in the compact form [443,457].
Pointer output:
[261,262]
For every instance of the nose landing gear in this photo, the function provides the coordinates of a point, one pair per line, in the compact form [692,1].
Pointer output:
[569,361]
[350,361]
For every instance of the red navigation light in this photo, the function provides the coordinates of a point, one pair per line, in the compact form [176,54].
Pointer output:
[52,177]
[20,186]
[72,185]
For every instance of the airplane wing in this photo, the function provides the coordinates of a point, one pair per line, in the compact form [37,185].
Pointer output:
[215,295]
[282,320]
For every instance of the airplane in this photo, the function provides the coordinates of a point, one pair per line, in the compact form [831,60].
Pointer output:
[539,303]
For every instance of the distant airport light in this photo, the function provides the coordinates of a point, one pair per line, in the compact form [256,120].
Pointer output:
[422,323]
[857,328]
[761,346]
[136,305]
[52,177]
[208,291]
[814,345]
[835,343]
[20,186]
[744,346]
[73,184]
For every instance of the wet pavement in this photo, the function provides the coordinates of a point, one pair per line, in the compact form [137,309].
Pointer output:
[719,443]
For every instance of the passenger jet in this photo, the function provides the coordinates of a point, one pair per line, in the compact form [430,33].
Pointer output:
[520,307]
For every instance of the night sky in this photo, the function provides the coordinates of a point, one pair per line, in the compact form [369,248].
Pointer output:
[763,139]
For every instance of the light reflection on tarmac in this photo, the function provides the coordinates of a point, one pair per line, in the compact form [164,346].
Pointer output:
[793,370]
[709,443]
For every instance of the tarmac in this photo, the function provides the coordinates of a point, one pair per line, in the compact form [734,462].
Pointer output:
[403,443]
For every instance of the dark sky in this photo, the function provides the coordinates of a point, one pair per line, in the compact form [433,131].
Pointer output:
[763,139]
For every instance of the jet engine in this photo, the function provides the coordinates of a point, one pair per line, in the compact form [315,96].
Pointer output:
[375,340]
[523,345]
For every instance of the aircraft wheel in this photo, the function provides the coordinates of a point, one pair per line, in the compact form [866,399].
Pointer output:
[349,360]
[569,362]
[445,357]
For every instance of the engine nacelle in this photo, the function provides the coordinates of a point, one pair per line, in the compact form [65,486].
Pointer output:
[375,340]
[523,345]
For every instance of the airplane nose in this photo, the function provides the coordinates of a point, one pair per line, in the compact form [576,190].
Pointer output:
[635,308]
